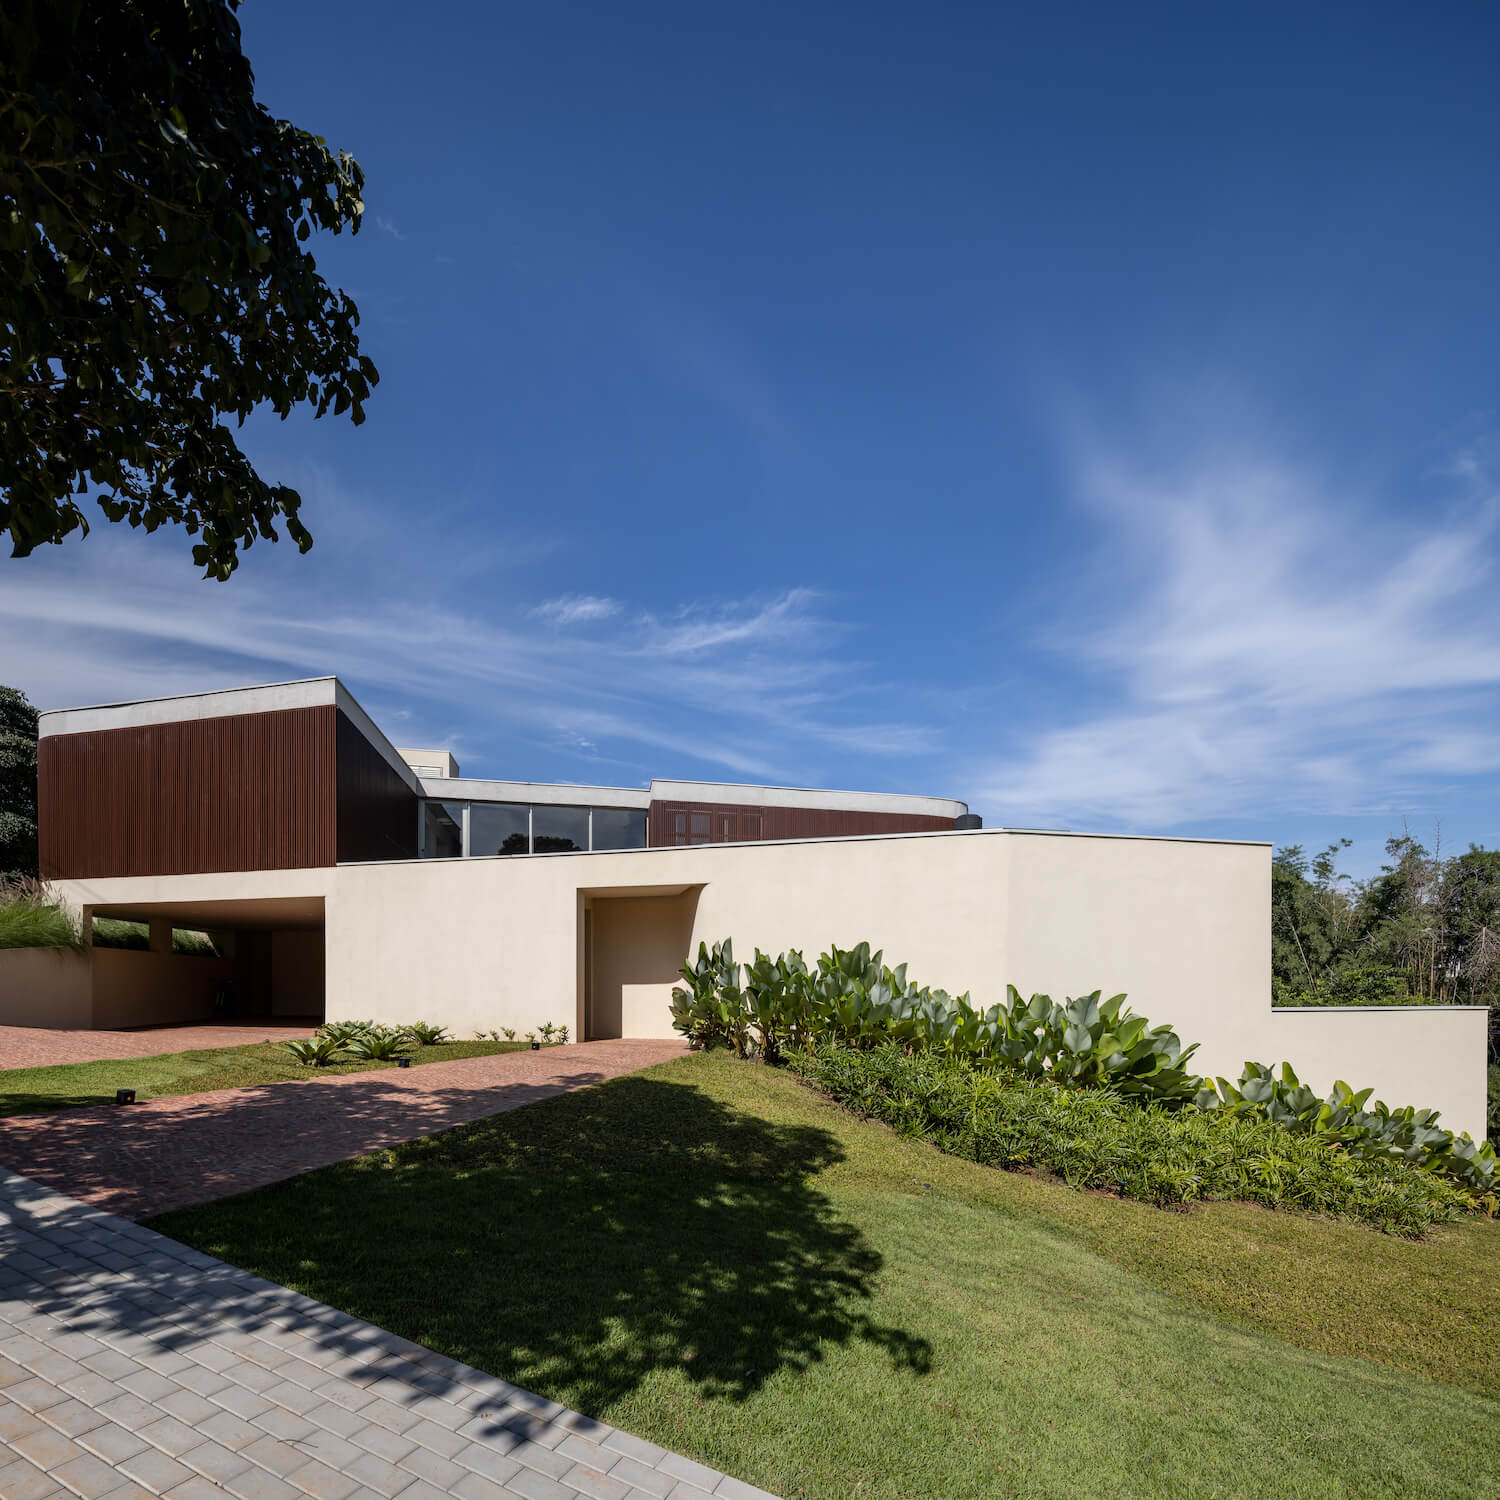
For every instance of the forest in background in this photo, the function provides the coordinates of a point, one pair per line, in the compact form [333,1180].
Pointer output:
[1425,930]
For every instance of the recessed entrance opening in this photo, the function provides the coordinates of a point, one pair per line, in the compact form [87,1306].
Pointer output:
[265,962]
[634,942]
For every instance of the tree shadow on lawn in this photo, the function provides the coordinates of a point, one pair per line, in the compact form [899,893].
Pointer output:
[581,1245]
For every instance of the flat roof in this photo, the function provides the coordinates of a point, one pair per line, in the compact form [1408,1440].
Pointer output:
[223,703]
[712,793]
[547,793]
[838,838]
[739,794]
[312,692]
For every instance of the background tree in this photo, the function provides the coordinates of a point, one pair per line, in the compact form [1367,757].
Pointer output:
[1470,913]
[1311,914]
[153,274]
[1426,929]
[17,785]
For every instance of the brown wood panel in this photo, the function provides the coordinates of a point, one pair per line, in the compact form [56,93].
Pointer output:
[728,822]
[243,792]
[377,811]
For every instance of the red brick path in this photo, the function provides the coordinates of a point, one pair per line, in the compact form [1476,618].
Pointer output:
[39,1047]
[145,1158]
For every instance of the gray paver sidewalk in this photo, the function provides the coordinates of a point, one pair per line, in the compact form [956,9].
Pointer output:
[132,1366]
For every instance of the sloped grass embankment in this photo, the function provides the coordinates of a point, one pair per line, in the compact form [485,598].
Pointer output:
[712,1255]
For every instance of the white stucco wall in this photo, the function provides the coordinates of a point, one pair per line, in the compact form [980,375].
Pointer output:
[1432,1056]
[51,983]
[1181,926]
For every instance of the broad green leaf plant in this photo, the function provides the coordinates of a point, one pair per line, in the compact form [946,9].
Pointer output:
[852,998]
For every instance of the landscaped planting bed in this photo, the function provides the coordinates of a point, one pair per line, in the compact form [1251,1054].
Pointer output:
[1093,1138]
[782,1006]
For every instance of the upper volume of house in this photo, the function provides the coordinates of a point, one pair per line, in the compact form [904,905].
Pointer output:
[296,774]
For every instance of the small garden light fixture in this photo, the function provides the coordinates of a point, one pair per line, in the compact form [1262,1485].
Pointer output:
[403,1062]
[124,1096]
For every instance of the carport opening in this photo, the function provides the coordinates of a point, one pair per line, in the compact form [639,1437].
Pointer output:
[217,962]
[634,943]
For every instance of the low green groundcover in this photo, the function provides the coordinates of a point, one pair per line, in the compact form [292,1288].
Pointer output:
[1092,1138]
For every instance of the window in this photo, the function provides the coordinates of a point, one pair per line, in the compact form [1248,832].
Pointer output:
[442,830]
[514,828]
[559,830]
[690,826]
[499,828]
[619,828]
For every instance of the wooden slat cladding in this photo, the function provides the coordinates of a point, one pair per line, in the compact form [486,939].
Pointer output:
[240,792]
[377,811]
[727,822]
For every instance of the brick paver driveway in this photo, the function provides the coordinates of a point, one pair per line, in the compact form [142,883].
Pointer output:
[145,1158]
[41,1047]
[132,1366]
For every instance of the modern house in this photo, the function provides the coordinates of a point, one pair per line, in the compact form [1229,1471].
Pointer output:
[297,775]
[344,877]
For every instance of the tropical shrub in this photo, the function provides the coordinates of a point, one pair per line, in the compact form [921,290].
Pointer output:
[32,916]
[774,1005]
[1093,1137]
[379,1044]
[424,1034]
[314,1052]
[343,1032]
[548,1033]
[1409,1135]
[854,997]
[778,1001]
[710,1012]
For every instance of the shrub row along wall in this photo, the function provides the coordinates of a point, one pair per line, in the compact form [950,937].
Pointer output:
[851,996]
[1094,1138]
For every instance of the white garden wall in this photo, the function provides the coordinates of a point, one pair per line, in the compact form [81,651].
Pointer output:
[1182,926]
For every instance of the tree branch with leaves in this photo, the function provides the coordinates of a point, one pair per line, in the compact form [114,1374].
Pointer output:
[154,275]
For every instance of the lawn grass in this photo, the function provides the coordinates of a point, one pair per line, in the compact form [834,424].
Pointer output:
[712,1256]
[29,1091]
[115,932]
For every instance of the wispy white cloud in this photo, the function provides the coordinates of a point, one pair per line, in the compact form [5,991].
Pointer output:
[751,686]
[695,629]
[388,226]
[577,609]
[1259,639]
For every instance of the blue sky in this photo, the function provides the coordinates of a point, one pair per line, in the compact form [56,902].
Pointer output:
[1087,411]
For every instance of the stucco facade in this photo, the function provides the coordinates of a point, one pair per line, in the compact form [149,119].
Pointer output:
[593,940]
